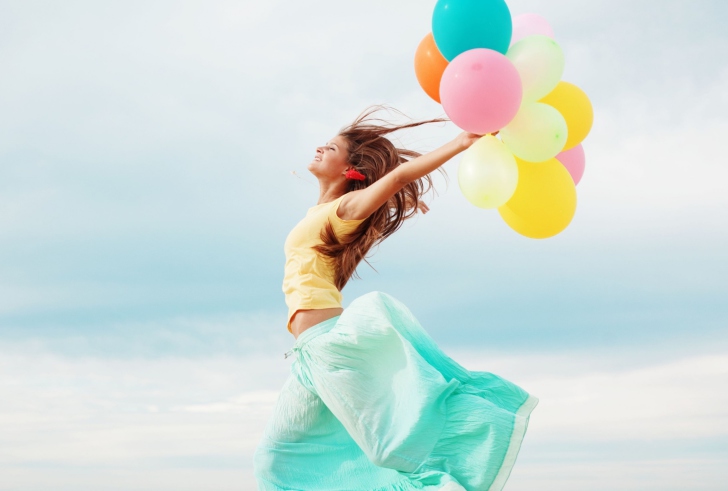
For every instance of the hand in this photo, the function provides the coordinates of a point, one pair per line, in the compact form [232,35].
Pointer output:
[465,139]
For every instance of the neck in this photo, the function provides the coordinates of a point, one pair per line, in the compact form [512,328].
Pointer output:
[328,193]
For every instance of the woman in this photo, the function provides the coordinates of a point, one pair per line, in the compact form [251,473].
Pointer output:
[372,403]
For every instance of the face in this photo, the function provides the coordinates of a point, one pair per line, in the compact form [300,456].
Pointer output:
[330,160]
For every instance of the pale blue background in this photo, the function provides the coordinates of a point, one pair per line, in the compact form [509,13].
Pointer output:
[146,151]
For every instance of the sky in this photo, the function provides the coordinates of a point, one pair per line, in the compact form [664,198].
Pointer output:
[153,159]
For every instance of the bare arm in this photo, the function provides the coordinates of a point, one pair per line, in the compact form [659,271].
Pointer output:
[359,204]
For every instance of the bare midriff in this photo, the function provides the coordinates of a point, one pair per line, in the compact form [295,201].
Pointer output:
[303,319]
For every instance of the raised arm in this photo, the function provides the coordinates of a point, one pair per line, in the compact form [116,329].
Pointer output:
[360,204]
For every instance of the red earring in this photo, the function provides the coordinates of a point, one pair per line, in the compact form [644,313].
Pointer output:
[354,174]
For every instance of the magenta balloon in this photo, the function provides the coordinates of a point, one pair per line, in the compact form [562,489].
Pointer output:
[574,160]
[525,25]
[481,91]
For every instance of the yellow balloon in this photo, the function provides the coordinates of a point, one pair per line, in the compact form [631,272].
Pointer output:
[544,202]
[575,107]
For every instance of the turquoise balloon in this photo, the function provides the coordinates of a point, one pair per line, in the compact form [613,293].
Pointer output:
[462,25]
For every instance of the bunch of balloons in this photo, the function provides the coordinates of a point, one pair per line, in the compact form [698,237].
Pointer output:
[497,74]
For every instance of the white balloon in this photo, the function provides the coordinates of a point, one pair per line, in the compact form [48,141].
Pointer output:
[540,64]
[537,133]
[488,173]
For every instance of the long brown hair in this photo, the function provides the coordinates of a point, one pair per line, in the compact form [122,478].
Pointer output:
[374,156]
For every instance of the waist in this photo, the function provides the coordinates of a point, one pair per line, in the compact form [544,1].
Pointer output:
[303,320]
[314,300]
[313,331]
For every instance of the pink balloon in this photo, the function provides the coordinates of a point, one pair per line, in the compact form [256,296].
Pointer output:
[525,25]
[574,160]
[481,91]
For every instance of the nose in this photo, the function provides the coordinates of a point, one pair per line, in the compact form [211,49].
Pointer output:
[319,150]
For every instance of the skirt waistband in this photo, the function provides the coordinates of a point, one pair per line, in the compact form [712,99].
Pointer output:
[313,331]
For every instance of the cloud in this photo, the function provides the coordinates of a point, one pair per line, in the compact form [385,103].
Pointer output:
[81,419]
[145,192]
[233,334]
[146,169]
[603,400]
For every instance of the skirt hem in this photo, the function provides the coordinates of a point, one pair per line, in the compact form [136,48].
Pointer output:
[519,432]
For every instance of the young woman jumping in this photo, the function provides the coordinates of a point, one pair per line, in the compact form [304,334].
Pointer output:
[372,403]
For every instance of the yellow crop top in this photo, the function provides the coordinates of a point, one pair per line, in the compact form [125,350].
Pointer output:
[308,280]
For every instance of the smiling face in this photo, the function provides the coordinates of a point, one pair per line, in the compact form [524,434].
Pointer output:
[331,160]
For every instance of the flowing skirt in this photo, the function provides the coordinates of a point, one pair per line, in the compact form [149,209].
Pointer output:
[372,403]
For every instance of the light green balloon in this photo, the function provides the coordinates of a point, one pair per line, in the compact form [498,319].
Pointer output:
[537,133]
[540,63]
[488,173]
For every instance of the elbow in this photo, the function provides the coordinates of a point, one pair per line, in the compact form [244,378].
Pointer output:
[402,177]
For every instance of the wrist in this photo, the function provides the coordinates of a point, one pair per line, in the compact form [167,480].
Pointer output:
[459,144]
[454,146]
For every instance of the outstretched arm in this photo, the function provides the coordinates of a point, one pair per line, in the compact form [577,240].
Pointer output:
[361,203]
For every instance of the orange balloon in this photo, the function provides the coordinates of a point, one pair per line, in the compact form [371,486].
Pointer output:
[429,65]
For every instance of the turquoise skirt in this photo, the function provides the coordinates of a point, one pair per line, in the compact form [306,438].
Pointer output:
[373,404]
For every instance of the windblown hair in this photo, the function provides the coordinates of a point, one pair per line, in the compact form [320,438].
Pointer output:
[374,156]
